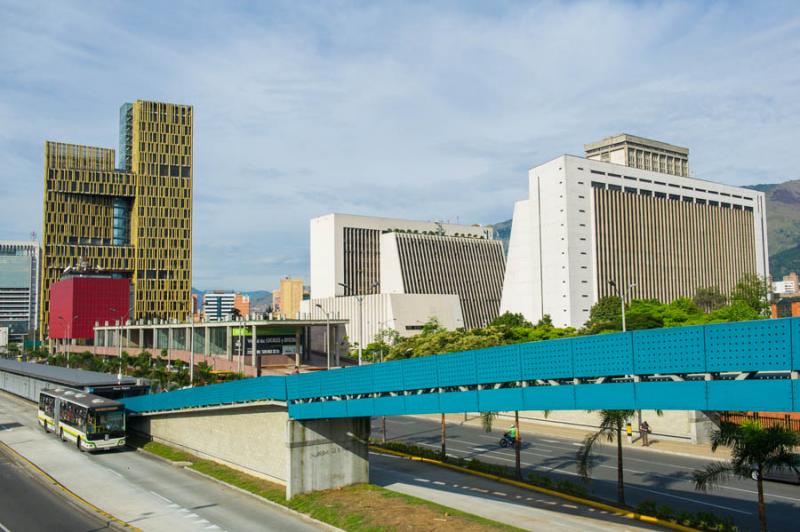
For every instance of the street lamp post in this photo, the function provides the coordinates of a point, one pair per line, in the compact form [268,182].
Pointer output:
[622,293]
[327,333]
[360,299]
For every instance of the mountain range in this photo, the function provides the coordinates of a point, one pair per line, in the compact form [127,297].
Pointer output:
[783,226]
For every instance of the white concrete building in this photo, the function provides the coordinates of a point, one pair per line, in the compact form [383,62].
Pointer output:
[587,222]
[448,271]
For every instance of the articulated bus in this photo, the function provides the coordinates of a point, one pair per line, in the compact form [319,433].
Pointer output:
[94,423]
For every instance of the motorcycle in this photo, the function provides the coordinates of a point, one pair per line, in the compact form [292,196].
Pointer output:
[506,441]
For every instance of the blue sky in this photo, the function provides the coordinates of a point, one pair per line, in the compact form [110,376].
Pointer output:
[429,110]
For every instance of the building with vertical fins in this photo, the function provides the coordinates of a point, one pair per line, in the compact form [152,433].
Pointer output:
[590,221]
[130,217]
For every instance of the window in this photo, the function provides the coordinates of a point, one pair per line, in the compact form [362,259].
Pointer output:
[597,184]
[645,193]
[661,195]
[615,188]
[630,190]
[700,201]
[674,197]
[613,175]
[713,203]
[688,199]
[598,172]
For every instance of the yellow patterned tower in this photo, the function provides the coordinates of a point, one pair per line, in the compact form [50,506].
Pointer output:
[133,219]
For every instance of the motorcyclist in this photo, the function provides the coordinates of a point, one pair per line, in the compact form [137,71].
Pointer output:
[511,434]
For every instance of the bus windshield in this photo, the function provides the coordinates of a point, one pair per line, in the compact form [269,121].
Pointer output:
[103,422]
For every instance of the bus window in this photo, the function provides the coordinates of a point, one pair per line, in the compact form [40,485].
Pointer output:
[112,423]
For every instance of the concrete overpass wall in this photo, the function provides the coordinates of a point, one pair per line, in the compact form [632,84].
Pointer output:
[260,440]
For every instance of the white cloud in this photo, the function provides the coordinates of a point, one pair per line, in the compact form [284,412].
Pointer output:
[401,109]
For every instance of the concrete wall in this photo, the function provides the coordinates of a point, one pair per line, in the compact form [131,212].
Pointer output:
[327,453]
[260,440]
[250,439]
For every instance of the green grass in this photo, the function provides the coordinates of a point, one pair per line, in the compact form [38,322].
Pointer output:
[360,507]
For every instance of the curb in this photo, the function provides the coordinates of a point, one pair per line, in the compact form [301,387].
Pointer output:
[113,521]
[586,502]
[186,467]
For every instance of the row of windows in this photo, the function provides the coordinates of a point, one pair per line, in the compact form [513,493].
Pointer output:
[674,197]
[672,185]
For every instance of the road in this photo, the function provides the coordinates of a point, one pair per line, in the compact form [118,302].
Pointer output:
[649,475]
[514,506]
[28,503]
[149,494]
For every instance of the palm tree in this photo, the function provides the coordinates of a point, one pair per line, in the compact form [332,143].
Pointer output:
[754,451]
[612,422]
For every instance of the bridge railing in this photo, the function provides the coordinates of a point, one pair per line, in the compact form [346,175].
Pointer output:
[489,379]
[241,391]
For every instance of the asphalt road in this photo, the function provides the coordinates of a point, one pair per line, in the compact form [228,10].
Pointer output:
[28,503]
[664,478]
[149,494]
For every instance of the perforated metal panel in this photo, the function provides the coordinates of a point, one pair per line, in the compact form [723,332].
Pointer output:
[549,397]
[796,395]
[618,396]
[795,326]
[498,364]
[360,407]
[389,406]
[388,377]
[334,409]
[305,411]
[502,399]
[419,373]
[688,395]
[549,359]
[457,369]
[749,346]
[359,378]
[602,355]
[426,403]
[763,395]
[458,401]
[334,382]
[675,350]
[304,385]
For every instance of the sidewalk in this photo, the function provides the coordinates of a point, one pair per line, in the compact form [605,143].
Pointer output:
[531,429]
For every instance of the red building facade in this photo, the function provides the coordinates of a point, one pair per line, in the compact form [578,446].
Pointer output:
[77,303]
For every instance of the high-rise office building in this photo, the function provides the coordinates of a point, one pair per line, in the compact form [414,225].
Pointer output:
[218,305]
[133,218]
[19,281]
[642,153]
[589,222]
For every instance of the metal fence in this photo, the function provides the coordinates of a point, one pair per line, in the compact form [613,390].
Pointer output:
[790,421]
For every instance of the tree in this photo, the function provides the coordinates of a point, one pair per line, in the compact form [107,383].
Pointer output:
[611,424]
[605,315]
[709,298]
[754,451]
[511,319]
[236,313]
[752,291]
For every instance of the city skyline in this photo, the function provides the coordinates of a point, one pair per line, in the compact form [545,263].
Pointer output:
[372,110]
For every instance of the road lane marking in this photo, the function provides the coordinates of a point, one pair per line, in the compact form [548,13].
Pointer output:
[161,497]
[113,472]
[551,441]
[765,493]
[695,501]
[3,528]
[480,449]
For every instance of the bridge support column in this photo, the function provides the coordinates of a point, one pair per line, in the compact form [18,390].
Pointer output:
[327,453]
[253,349]
[206,341]
[228,343]
[297,349]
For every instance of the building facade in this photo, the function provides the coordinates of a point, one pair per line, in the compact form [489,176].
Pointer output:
[132,218]
[218,306]
[241,303]
[642,153]
[287,298]
[589,222]
[78,302]
[19,284]
[789,285]
[454,273]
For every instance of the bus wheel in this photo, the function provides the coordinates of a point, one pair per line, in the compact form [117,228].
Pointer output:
[78,443]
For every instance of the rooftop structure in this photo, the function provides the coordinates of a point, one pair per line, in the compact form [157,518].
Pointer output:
[642,153]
